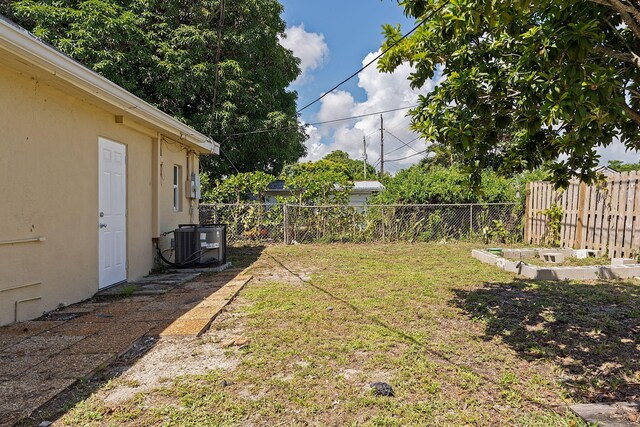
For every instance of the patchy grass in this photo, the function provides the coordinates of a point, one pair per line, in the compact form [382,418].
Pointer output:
[461,342]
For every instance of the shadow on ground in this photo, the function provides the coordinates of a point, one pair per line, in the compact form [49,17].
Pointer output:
[85,387]
[244,256]
[128,326]
[590,331]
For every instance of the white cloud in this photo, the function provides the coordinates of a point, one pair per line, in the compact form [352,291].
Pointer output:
[315,148]
[617,151]
[309,47]
[383,92]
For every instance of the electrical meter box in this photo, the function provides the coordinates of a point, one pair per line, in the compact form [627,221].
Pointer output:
[193,186]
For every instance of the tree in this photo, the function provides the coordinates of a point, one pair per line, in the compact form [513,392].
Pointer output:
[355,167]
[437,184]
[317,183]
[165,52]
[525,82]
[239,188]
[620,166]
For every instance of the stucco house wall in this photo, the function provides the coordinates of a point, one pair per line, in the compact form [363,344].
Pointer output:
[49,186]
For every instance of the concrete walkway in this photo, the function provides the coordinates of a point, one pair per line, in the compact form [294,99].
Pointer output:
[41,358]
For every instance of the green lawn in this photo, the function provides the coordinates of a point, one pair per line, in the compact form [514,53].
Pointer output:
[461,342]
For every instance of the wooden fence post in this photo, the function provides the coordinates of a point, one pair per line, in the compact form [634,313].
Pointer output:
[582,199]
[527,212]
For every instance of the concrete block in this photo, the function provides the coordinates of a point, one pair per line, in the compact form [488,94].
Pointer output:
[564,251]
[621,272]
[585,253]
[553,257]
[512,266]
[617,262]
[484,256]
[511,253]
[560,273]
[528,253]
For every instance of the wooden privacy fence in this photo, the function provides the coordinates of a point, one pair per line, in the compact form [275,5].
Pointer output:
[604,216]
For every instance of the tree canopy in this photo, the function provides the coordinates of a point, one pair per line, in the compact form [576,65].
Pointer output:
[525,83]
[355,167]
[239,188]
[422,183]
[165,52]
[620,166]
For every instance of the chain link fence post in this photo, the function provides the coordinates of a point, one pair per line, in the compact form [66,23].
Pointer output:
[285,223]
[383,227]
[471,221]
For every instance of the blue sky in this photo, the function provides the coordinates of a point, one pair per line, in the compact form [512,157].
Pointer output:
[352,29]
[334,39]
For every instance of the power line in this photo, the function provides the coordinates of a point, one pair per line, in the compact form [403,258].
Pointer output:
[324,122]
[406,144]
[408,157]
[229,160]
[376,58]
[363,115]
[392,127]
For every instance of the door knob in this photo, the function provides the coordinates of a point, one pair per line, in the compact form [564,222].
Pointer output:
[103,225]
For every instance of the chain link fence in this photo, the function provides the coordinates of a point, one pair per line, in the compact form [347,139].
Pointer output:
[254,223]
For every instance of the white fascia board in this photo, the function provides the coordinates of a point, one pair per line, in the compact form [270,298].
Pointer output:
[25,45]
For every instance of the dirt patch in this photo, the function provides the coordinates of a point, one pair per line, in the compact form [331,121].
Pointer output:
[173,357]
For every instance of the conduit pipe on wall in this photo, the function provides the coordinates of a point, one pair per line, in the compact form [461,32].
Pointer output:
[29,240]
[20,286]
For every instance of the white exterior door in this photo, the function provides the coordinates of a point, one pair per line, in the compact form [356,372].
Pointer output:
[112,221]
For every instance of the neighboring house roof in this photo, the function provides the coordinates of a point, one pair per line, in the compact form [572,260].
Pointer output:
[606,170]
[28,53]
[277,185]
[367,187]
[278,188]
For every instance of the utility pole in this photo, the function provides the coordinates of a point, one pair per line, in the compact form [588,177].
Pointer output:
[364,141]
[381,146]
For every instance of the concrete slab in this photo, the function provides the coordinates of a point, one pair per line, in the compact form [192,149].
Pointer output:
[10,340]
[116,338]
[41,344]
[621,414]
[28,328]
[27,395]
[186,327]
[156,284]
[13,365]
[195,321]
[73,365]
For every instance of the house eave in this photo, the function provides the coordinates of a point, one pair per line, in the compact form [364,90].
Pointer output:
[65,71]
